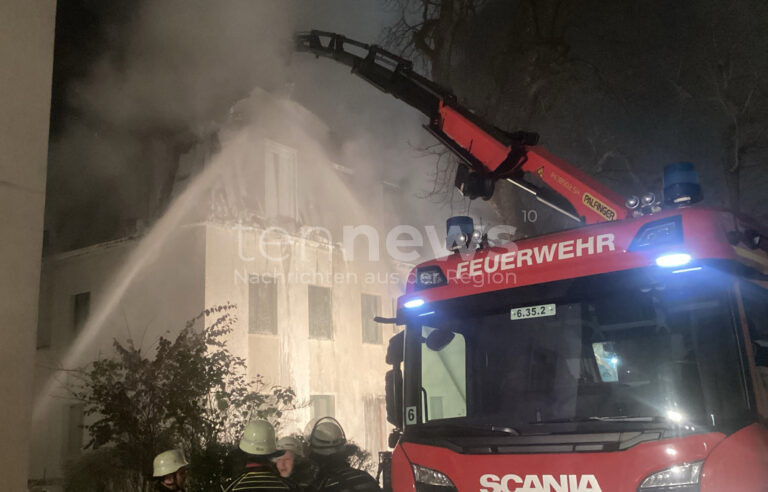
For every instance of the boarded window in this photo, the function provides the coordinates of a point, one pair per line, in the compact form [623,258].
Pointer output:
[322,406]
[262,305]
[280,181]
[74,433]
[371,307]
[320,324]
[81,310]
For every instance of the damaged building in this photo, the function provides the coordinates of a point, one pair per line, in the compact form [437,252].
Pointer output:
[267,214]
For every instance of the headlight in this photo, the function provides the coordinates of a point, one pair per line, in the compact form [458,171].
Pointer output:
[680,478]
[668,260]
[429,480]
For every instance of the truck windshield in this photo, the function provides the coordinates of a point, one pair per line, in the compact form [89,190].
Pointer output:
[623,347]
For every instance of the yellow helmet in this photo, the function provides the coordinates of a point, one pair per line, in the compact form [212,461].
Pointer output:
[258,438]
[168,462]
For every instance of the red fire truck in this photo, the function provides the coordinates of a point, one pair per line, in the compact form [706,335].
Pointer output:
[627,354]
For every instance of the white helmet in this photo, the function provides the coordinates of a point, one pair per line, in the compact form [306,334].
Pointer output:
[168,462]
[326,437]
[292,444]
[258,438]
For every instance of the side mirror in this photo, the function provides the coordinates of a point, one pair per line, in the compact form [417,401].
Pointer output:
[439,339]
[395,349]
[393,390]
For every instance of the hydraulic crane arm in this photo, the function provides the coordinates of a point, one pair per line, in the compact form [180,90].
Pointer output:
[486,152]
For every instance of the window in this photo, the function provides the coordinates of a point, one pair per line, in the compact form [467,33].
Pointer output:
[82,307]
[371,307]
[322,406]
[280,181]
[391,199]
[443,369]
[320,323]
[625,344]
[74,433]
[756,311]
[262,305]
[349,181]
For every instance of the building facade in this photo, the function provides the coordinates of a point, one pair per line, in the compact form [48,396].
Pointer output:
[262,216]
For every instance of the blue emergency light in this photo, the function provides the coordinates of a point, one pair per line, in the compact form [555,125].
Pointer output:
[681,184]
[413,303]
[459,231]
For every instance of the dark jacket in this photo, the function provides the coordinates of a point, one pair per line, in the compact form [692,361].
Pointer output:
[304,474]
[260,477]
[344,478]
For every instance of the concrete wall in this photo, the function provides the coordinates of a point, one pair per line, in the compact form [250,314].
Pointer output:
[26,62]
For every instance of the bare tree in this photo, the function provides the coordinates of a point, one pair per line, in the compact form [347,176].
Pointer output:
[618,89]
[733,80]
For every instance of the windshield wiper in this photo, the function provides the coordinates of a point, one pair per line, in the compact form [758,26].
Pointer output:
[625,418]
[619,418]
[509,431]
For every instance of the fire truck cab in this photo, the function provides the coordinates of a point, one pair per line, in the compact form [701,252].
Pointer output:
[622,356]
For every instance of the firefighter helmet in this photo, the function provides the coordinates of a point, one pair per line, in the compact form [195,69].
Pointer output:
[292,444]
[258,438]
[168,462]
[326,437]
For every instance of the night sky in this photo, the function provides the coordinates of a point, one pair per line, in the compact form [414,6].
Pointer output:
[618,90]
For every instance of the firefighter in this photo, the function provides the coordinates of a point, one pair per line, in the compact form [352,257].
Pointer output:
[258,443]
[328,448]
[170,470]
[294,465]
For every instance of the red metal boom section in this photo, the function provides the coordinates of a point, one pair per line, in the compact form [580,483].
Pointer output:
[489,153]
[591,199]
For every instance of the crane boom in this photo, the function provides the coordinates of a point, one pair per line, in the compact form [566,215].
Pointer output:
[487,153]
